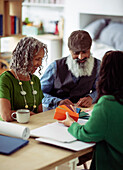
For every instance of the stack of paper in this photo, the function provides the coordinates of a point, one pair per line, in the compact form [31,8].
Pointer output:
[54,131]
[75,145]
[57,134]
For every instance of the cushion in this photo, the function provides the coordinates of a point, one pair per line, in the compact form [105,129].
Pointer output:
[94,28]
[113,35]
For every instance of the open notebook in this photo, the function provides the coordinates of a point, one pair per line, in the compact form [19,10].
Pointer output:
[54,131]
[57,134]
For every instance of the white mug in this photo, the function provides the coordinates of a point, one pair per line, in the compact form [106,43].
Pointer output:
[22,115]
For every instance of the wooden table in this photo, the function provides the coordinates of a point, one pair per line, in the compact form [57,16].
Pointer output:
[38,155]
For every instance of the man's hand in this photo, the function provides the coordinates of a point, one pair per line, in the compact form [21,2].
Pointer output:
[68,121]
[65,102]
[85,102]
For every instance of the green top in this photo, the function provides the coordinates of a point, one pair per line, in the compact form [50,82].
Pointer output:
[10,89]
[105,127]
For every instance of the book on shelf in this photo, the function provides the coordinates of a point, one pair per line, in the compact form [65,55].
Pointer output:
[16,25]
[1,24]
[14,20]
[12,24]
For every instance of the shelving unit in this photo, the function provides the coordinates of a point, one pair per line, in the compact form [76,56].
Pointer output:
[13,8]
[43,5]
[10,8]
[2,13]
[48,12]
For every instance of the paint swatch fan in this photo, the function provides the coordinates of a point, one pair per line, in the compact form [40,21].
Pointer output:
[60,112]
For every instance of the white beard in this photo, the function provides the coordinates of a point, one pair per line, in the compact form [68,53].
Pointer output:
[80,69]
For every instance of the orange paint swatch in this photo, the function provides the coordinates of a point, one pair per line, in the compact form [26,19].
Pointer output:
[60,113]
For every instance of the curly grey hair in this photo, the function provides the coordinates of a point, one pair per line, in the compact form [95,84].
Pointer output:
[22,56]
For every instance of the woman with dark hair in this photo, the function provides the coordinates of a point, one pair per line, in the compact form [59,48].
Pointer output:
[19,87]
[105,125]
[111,79]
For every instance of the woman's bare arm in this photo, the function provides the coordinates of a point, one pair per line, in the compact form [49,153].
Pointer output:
[5,109]
[40,109]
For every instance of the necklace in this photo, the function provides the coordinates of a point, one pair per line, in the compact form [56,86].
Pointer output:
[23,92]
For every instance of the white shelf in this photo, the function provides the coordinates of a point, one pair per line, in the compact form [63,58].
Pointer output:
[43,5]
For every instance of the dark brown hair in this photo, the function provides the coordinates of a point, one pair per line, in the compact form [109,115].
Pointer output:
[79,40]
[111,76]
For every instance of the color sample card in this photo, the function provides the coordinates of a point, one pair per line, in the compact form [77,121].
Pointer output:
[60,112]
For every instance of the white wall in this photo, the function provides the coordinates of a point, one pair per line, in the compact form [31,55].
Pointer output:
[75,8]
[108,7]
[75,14]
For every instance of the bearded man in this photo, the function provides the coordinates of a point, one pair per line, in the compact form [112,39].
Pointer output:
[72,79]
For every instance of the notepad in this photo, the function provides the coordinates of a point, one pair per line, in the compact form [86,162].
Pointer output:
[75,145]
[8,145]
[54,131]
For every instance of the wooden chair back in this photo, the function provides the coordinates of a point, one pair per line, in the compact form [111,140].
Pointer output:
[4,66]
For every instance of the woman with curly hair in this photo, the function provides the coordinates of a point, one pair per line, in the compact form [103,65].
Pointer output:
[105,125]
[19,87]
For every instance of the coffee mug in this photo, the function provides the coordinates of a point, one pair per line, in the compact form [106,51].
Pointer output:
[21,115]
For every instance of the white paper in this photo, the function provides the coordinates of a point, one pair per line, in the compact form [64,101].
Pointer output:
[75,145]
[13,130]
[89,111]
[55,131]
[82,121]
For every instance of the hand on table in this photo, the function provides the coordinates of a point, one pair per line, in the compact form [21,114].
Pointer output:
[85,102]
[32,113]
[68,121]
[65,102]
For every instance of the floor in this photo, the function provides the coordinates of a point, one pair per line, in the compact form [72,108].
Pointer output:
[67,166]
